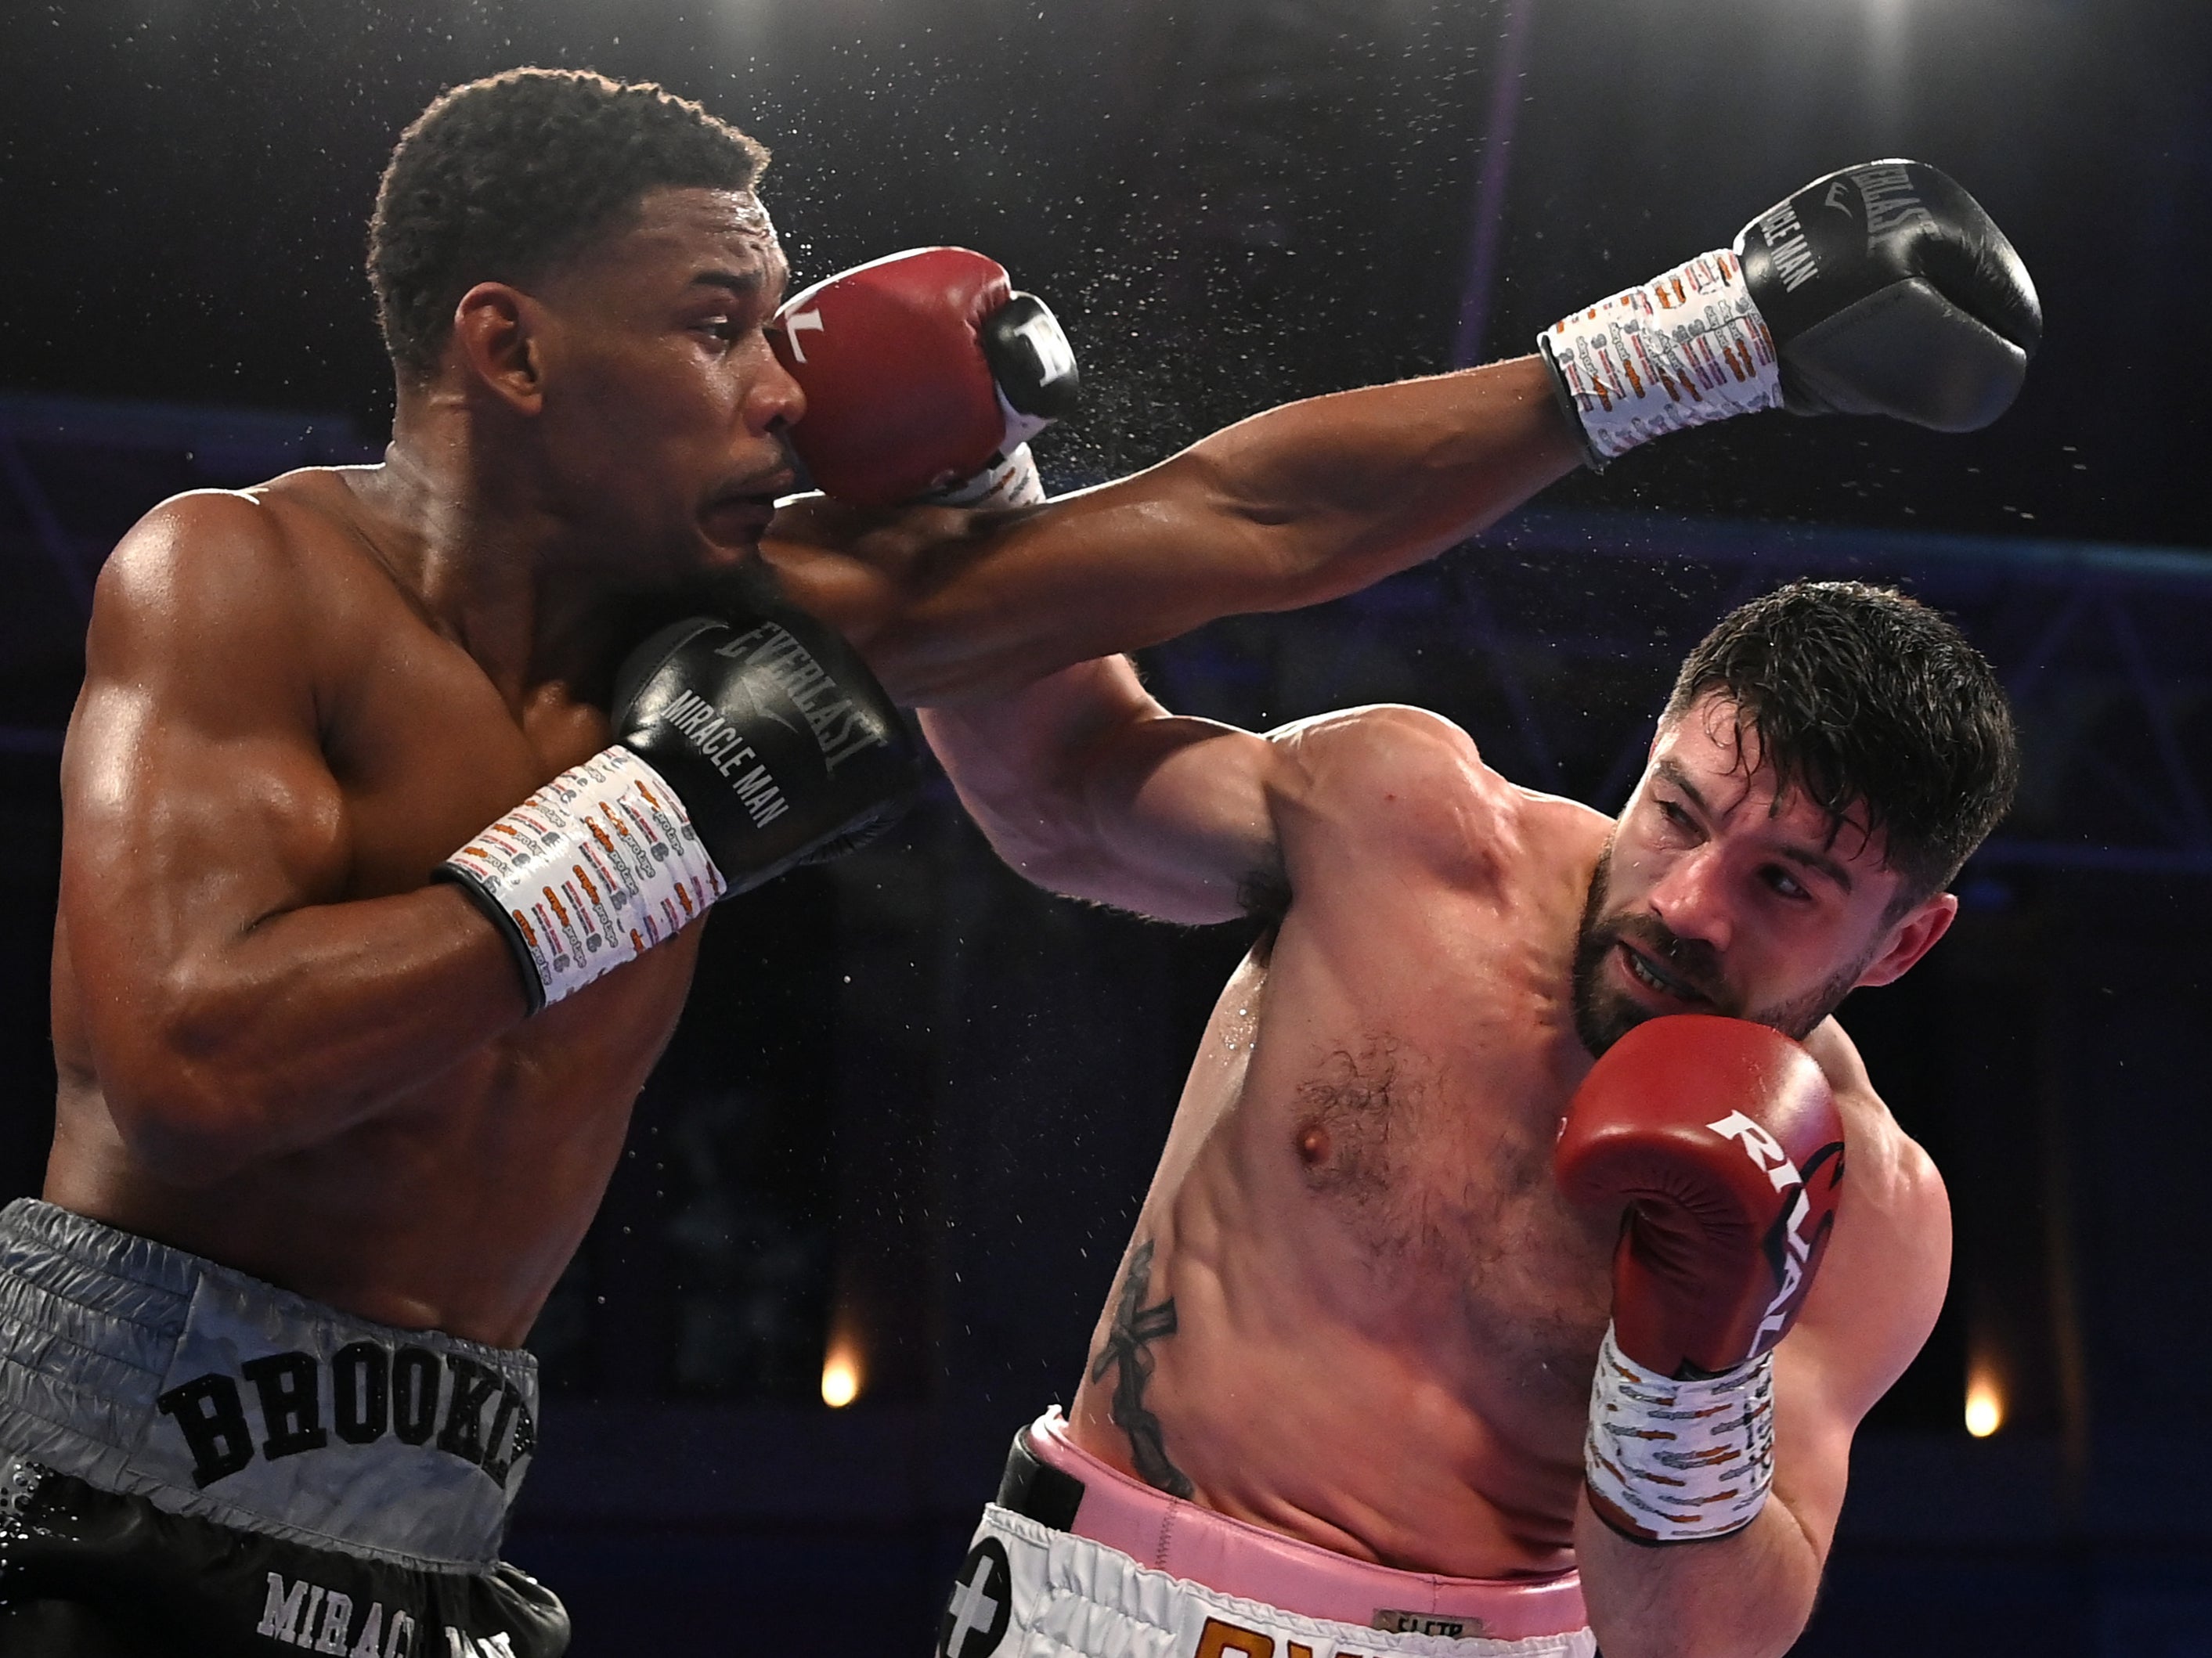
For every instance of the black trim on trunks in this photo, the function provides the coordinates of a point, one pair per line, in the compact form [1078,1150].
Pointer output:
[1036,1489]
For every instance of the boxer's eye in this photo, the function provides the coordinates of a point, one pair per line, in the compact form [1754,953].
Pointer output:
[1784,883]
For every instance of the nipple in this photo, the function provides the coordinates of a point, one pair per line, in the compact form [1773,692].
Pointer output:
[1313,1145]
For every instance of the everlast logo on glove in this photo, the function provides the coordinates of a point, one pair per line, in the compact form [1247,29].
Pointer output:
[779,742]
[1890,200]
[841,729]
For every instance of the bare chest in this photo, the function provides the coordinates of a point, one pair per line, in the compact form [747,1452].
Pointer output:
[1408,1124]
[426,752]
[1436,1180]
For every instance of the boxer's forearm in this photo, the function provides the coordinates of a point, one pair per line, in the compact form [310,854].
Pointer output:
[1745,1595]
[311,1021]
[1353,487]
[1301,504]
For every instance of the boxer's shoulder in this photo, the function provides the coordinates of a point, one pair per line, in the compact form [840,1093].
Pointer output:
[201,578]
[1882,1154]
[203,538]
[1394,783]
[1886,1167]
[273,577]
[1385,758]
[250,550]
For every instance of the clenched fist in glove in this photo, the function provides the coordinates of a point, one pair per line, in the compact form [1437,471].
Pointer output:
[1722,1140]
[744,745]
[1883,289]
[926,375]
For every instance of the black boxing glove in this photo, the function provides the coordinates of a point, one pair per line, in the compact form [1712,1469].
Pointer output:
[1882,289]
[742,748]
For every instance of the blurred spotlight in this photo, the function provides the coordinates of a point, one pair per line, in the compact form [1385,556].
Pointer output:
[841,1378]
[1887,50]
[1985,1405]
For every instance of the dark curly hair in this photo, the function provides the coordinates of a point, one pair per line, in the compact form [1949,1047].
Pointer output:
[500,179]
[1867,700]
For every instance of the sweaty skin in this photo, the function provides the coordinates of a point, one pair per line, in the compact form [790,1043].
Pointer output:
[1367,1317]
[277,1046]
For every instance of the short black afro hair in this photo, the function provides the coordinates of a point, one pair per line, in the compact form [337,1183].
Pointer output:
[1867,701]
[499,180]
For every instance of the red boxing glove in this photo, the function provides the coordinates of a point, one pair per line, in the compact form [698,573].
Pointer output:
[922,370]
[1723,1139]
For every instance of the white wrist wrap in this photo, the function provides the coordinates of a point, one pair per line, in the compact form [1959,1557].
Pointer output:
[1681,1461]
[1682,351]
[594,869]
[1013,482]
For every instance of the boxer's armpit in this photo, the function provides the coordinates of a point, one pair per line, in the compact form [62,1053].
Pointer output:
[1264,895]
[1127,1353]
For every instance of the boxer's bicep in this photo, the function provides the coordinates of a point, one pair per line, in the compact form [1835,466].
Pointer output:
[1182,811]
[1088,786]
[196,801]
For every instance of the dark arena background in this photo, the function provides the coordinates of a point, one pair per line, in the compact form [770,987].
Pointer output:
[895,1148]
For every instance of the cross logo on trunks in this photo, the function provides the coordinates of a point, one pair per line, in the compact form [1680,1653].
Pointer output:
[982,1604]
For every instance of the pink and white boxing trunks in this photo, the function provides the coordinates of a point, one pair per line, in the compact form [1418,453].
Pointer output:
[1077,1560]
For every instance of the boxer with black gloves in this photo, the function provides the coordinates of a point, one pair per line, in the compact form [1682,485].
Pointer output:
[1884,289]
[356,781]
[1531,1240]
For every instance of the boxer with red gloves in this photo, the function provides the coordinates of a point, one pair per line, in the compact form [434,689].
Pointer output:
[1530,1241]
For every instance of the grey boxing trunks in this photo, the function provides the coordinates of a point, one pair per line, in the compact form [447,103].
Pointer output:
[192,1462]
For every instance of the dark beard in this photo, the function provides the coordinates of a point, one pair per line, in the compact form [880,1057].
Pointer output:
[1603,1017]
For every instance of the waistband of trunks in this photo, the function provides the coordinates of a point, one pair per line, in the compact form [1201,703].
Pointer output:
[145,1370]
[1052,1480]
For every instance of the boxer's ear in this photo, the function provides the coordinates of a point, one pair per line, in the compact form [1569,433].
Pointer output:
[1912,936]
[495,334]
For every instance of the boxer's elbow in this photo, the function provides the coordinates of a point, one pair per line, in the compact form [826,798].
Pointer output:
[1723,1624]
[181,1131]
[191,1101]
[1033,821]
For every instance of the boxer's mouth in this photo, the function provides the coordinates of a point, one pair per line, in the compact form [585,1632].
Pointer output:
[745,512]
[1649,973]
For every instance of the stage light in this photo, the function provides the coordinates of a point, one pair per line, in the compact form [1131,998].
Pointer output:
[841,1378]
[1985,1406]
